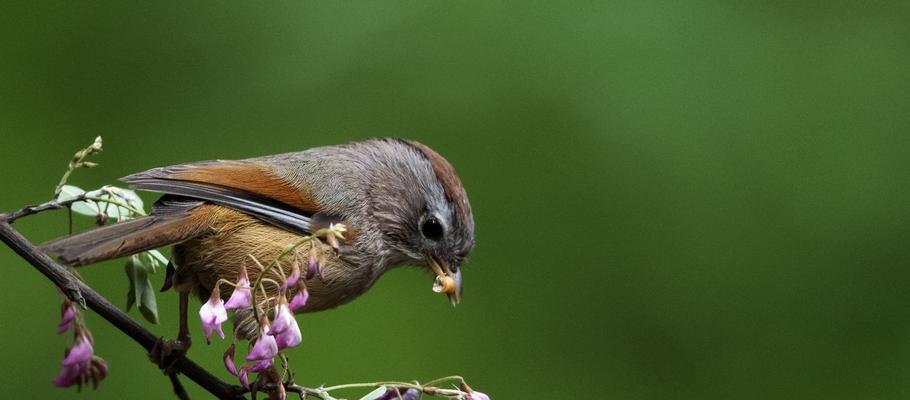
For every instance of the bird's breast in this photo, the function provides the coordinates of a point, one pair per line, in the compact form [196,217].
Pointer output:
[236,240]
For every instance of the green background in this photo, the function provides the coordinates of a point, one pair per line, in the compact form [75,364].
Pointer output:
[673,200]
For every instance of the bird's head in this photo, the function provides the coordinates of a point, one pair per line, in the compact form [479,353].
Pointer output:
[425,215]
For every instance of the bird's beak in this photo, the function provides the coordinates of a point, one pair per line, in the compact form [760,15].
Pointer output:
[447,281]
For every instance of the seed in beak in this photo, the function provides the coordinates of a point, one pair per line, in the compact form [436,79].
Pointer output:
[444,284]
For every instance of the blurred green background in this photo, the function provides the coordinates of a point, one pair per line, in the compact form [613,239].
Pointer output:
[674,200]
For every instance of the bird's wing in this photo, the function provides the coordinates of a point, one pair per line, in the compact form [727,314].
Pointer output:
[245,186]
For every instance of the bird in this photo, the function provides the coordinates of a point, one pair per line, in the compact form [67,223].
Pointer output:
[401,202]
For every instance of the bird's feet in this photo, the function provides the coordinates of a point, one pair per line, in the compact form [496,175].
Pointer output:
[166,351]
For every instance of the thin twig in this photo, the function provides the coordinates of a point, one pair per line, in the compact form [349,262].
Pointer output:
[58,204]
[179,391]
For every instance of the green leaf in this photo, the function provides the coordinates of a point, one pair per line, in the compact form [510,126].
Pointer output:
[87,207]
[131,276]
[375,394]
[149,305]
[141,293]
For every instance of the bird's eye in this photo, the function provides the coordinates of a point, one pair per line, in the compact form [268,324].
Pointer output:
[431,229]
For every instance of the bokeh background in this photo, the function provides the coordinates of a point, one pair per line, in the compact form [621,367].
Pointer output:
[674,200]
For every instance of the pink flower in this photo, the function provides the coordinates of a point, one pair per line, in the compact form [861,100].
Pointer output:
[80,365]
[229,365]
[300,298]
[283,317]
[400,394]
[265,347]
[294,276]
[213,314]
[242,296]
[284,326]
[244,379]
[475,395]
[312,266]
[229,360]
[67,316]
[472,394]
[260,366]
[290,337]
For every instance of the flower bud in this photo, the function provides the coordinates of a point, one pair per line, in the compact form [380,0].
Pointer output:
[312,265]
[67,315]
[213,314]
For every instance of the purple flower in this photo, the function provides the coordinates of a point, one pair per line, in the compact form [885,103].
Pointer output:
[312,265]
[472,394]
[229,365]
[260,366]
[300,298]
[77,363]
[290,337]
[475,395]
[242,296]
[67,316]
[294,276]
[257,366]
[284,326]
[283,317]
[400,394]
[229,360]
[213,314]
[265,347]
[244,379]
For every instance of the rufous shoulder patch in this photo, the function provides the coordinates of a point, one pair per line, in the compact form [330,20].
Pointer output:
[251,178]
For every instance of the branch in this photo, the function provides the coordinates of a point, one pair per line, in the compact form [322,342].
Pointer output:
[58,204]
[80,293]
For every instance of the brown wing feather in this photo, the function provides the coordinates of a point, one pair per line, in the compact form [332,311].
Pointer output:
[240,185]
[244,176]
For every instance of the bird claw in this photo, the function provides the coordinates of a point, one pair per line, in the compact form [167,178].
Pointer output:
[165,353]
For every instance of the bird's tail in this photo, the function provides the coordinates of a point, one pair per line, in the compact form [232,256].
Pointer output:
[174,225]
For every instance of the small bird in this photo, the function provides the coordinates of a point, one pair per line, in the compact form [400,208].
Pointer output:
[401,202]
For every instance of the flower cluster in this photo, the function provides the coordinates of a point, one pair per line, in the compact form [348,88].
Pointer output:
[281,331]
[414,391]
[80,364]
